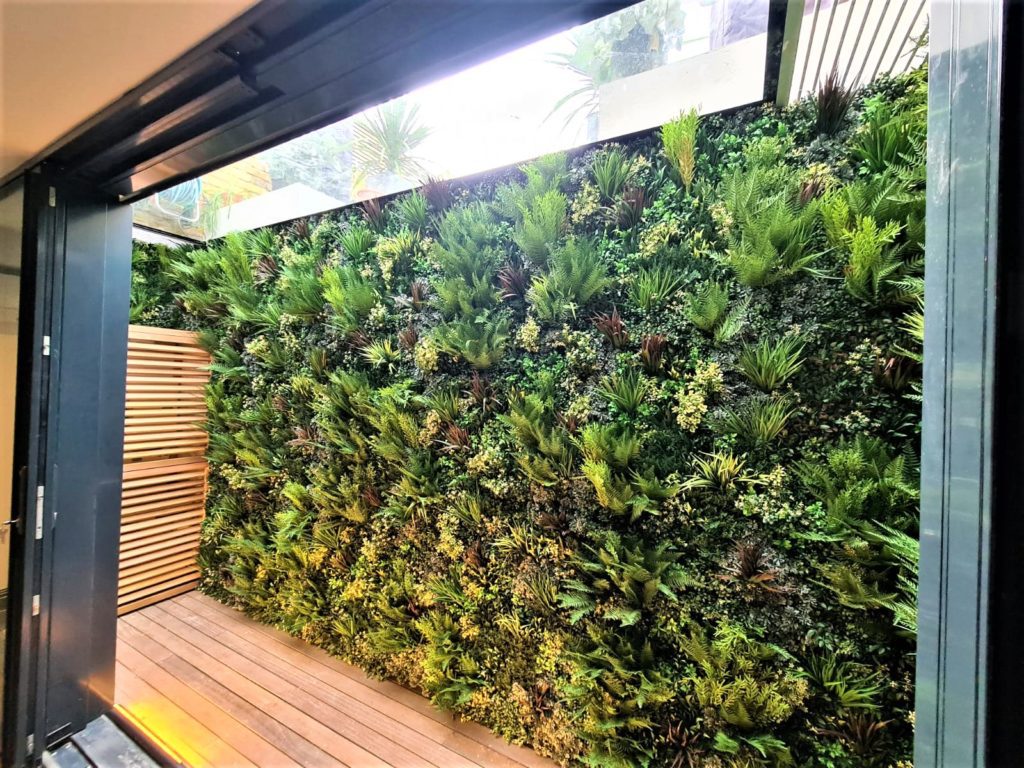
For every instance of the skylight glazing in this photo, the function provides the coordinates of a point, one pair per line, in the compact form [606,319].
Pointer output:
[626,72]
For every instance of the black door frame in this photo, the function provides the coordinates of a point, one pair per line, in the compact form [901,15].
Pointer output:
[39,244]
[76,267]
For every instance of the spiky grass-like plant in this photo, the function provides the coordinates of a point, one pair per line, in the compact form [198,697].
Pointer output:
[374,214]
[769,365]
[444,402]
[625,392]
[407,338]
[454,439]
[418,290]
[851,686]
[652,288]
[652,352]
[514,282]
[629,210]
[382,354]
[721,471]
[748,565]
[913,324]
[611,173]
[413,210]
[889,140]
[612,327]
[481,392]
[301,292]
[679,140]
[759,420]
[356,242]
[438,192]
[831,104]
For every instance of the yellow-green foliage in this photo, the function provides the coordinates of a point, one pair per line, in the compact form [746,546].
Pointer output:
[679,139]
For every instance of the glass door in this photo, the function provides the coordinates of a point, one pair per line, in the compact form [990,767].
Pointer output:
[12,209]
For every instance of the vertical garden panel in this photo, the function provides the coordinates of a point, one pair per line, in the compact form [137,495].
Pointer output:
[165,470]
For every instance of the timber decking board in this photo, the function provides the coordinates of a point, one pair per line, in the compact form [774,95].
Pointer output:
[272,700]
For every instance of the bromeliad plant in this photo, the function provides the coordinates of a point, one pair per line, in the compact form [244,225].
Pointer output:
[581,449]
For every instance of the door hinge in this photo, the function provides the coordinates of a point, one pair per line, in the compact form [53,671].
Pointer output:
[40,493]
[46,346]
[53,197]
[35,605]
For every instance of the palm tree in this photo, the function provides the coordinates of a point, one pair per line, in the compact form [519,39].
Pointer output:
[386,139]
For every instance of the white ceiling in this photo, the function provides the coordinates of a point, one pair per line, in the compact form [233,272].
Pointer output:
[61,61]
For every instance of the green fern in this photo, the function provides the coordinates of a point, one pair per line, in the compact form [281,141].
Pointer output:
[543,225]
[479,340]
[608,443]
[350,295]
[576,276]
[619,687]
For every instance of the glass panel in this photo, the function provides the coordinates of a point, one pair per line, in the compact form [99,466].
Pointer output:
[626,72]
[11,220]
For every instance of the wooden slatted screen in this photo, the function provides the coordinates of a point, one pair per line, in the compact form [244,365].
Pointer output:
[164,494]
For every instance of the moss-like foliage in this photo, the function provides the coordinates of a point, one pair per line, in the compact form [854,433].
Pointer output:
[616,460]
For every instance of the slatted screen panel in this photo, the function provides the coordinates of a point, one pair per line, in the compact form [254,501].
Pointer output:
[165,472]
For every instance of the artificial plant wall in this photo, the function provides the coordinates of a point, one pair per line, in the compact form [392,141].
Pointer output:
[614,453]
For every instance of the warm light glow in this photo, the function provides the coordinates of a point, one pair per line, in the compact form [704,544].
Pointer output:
[152,721]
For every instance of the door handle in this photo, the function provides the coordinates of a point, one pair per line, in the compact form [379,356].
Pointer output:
[18,522]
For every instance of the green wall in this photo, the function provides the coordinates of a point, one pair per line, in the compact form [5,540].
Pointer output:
[615,453]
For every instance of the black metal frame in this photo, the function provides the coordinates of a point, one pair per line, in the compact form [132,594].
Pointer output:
[777,11]
[39,241]
[76,267]
[283,69]
[1006,600]
[88,360]
[286,68]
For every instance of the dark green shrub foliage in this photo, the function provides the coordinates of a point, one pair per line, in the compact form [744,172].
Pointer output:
[623,472]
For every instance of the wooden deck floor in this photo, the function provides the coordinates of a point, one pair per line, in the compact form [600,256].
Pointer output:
[222,690]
